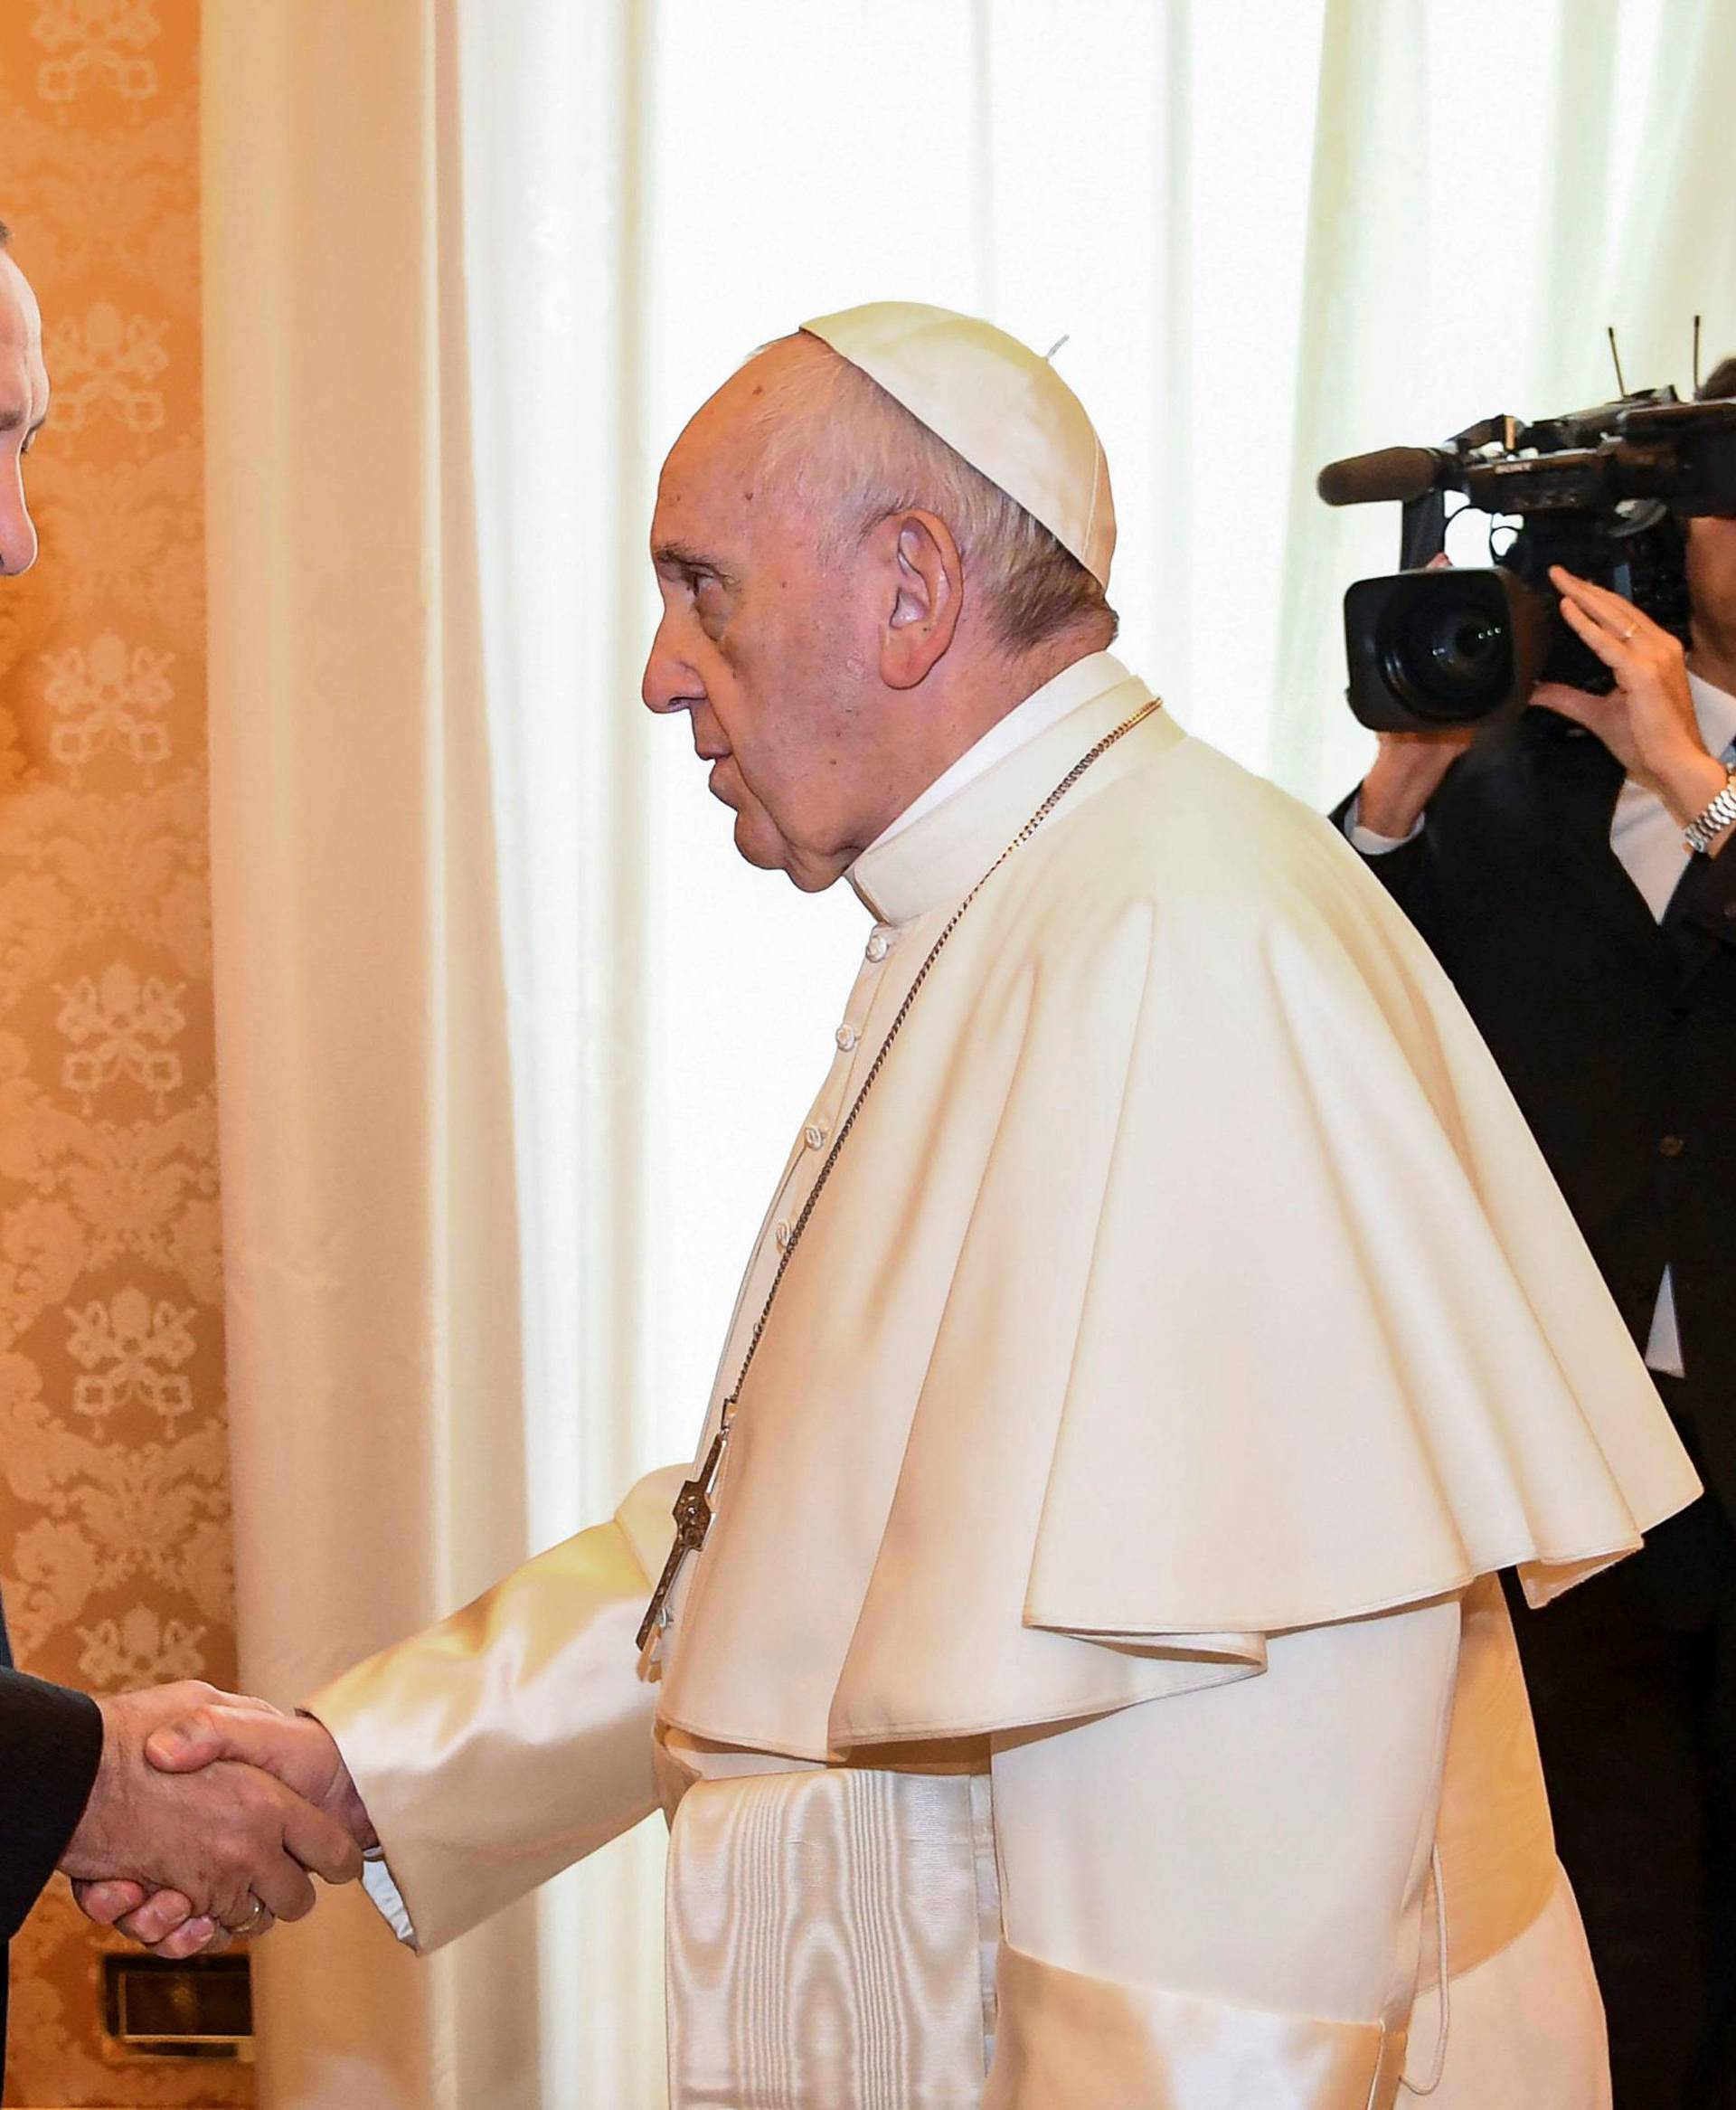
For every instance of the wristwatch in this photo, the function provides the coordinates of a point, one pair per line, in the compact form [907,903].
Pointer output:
[1708,824]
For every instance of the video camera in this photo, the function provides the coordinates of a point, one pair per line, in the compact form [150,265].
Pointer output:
[1602,492]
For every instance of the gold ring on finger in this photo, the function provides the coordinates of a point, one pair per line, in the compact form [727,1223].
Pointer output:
[255,1920]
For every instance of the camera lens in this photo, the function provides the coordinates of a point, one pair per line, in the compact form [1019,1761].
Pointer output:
[1464,649]
[1447,649]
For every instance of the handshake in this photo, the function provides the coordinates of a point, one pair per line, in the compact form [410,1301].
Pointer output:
[208,1816]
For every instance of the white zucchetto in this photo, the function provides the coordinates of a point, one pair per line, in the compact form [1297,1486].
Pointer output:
[997,404]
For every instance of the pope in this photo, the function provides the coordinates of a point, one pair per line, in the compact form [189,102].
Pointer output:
[1075,1673]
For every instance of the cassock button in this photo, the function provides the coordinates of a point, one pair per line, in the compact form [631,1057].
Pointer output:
[812,1135]
[780,1231]
[846,1038]
[1672,1146]
[877,946]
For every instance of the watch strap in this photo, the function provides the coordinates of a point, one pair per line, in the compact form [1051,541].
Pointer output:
[1713,818]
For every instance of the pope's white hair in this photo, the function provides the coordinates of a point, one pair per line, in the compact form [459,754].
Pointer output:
[853,454]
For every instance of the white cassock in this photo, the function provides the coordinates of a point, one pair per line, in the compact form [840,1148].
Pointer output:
[1095,1690]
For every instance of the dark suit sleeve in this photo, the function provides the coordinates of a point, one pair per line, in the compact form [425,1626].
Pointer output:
[1408,873]
[51,1741]
[1707,895]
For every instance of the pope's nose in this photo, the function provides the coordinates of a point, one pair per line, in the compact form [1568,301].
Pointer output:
[668,684]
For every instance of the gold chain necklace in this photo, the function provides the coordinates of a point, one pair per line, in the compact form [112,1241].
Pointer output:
[694,1509]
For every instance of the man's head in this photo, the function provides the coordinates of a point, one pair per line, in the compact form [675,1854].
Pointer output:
[847,604]
[1711,564]
[23,405]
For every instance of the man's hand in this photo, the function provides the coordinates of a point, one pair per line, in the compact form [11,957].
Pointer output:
[1647,720]
[1406,775]
[230,1847]
[1409,768]
[226,1731]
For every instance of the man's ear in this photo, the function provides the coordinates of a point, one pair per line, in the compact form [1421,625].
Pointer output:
[927,594]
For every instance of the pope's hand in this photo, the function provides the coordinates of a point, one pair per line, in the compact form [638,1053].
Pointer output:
[300,1756]
[227,1851]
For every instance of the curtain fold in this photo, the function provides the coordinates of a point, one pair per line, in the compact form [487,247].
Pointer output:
[555,104]
[1678,232]
[370,1243]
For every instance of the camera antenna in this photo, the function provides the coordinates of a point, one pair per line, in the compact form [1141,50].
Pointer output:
[1696,355]
[1621,386]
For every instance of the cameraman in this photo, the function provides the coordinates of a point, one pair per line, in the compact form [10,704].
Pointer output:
[1543,860]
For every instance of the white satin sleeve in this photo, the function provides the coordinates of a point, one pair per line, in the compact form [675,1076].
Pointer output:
[1219,1897]
[513,1738]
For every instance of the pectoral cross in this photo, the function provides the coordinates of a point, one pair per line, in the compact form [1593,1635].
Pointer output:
[692,1515]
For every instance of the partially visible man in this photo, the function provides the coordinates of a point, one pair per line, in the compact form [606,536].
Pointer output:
[24,405]
[1076,1675]
[1546,863]
[75,1792]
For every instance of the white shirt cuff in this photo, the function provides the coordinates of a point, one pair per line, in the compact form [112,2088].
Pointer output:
[1365,839]
[1663,1349]
[376,1880]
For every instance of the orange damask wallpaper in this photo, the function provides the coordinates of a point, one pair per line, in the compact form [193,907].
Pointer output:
[114,1506]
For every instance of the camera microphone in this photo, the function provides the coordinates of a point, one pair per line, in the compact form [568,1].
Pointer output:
[1401,473]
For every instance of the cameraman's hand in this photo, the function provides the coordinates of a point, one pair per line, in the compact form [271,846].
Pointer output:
[1406,775]
[1409,768]
[1646,721]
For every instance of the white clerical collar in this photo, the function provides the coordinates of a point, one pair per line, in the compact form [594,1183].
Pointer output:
[1043,709]
[943,842]
[1715,709]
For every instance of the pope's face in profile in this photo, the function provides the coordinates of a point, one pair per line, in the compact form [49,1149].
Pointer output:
[767,650]
[23,405]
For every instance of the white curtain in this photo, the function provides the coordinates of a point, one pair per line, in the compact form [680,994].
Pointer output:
[365,1098]
[1274,231]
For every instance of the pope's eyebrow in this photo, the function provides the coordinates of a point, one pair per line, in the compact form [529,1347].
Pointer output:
[680,556]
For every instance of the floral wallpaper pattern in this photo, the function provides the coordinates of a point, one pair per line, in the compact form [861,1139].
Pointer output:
[114,1503]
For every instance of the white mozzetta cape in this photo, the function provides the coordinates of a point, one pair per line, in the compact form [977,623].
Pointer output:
[1191,1276]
